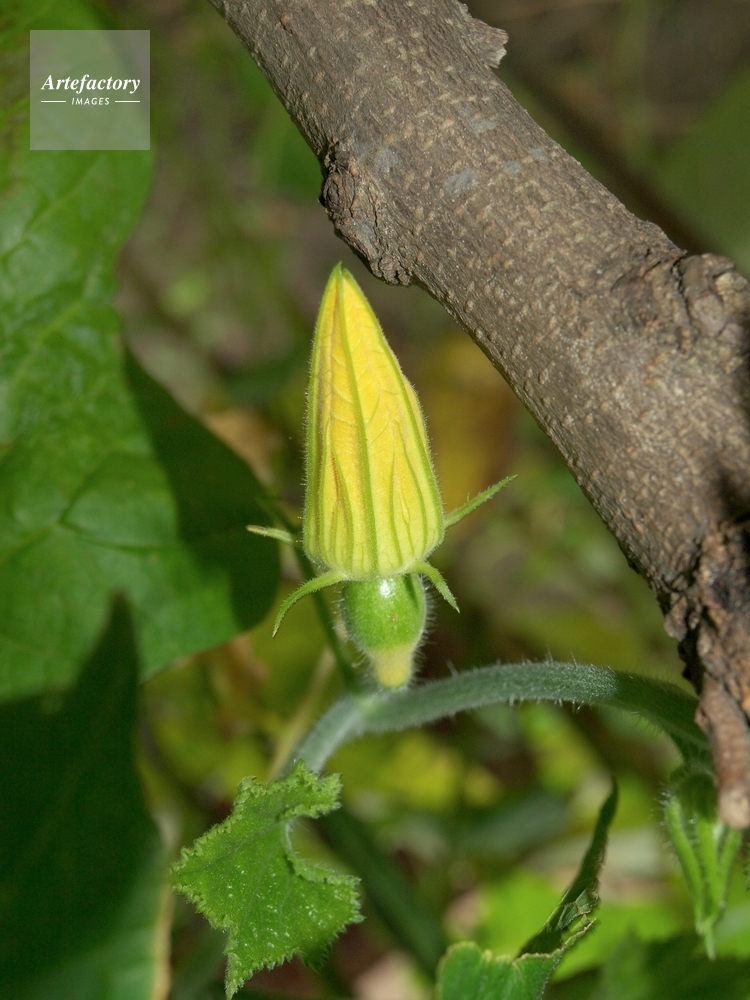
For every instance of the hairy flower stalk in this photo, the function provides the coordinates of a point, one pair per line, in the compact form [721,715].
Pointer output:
[373,513]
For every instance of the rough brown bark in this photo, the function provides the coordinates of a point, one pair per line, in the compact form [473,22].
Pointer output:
[631,354]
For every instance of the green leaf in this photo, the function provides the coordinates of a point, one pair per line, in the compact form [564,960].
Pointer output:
[569,920]
[105,483]
[467,973]
[82,868]
[244,876]
[206,577]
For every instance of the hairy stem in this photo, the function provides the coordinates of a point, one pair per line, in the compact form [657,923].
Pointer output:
[354,715]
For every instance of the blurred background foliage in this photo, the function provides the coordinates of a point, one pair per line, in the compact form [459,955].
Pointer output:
[485,816]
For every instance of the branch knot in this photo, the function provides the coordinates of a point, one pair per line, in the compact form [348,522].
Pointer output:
[350,204]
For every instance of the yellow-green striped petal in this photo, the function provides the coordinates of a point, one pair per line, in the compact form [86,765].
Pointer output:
[372,507]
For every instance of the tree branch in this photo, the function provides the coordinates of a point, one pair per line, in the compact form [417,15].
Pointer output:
[632,355]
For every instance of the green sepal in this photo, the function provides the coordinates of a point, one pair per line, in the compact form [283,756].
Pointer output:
[278,533]
[436,579]
[471,505]
[309,587]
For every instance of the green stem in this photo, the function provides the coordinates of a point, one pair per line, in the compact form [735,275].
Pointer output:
[709,939]
[391,895]
[661,704]
[300,721]
[337,727]
[343,661]
[679,832]
[730,845]
[200,967]
[250,994]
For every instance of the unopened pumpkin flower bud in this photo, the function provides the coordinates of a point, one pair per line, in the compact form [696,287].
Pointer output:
[373,512]
[372,507]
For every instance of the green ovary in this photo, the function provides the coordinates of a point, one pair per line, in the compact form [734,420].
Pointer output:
[385,619]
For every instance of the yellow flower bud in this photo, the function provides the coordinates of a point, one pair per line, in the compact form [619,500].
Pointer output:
[372,507]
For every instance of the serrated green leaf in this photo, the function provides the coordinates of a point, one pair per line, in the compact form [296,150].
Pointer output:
[467,973]
[244,876]
[82,868]
[105,483]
